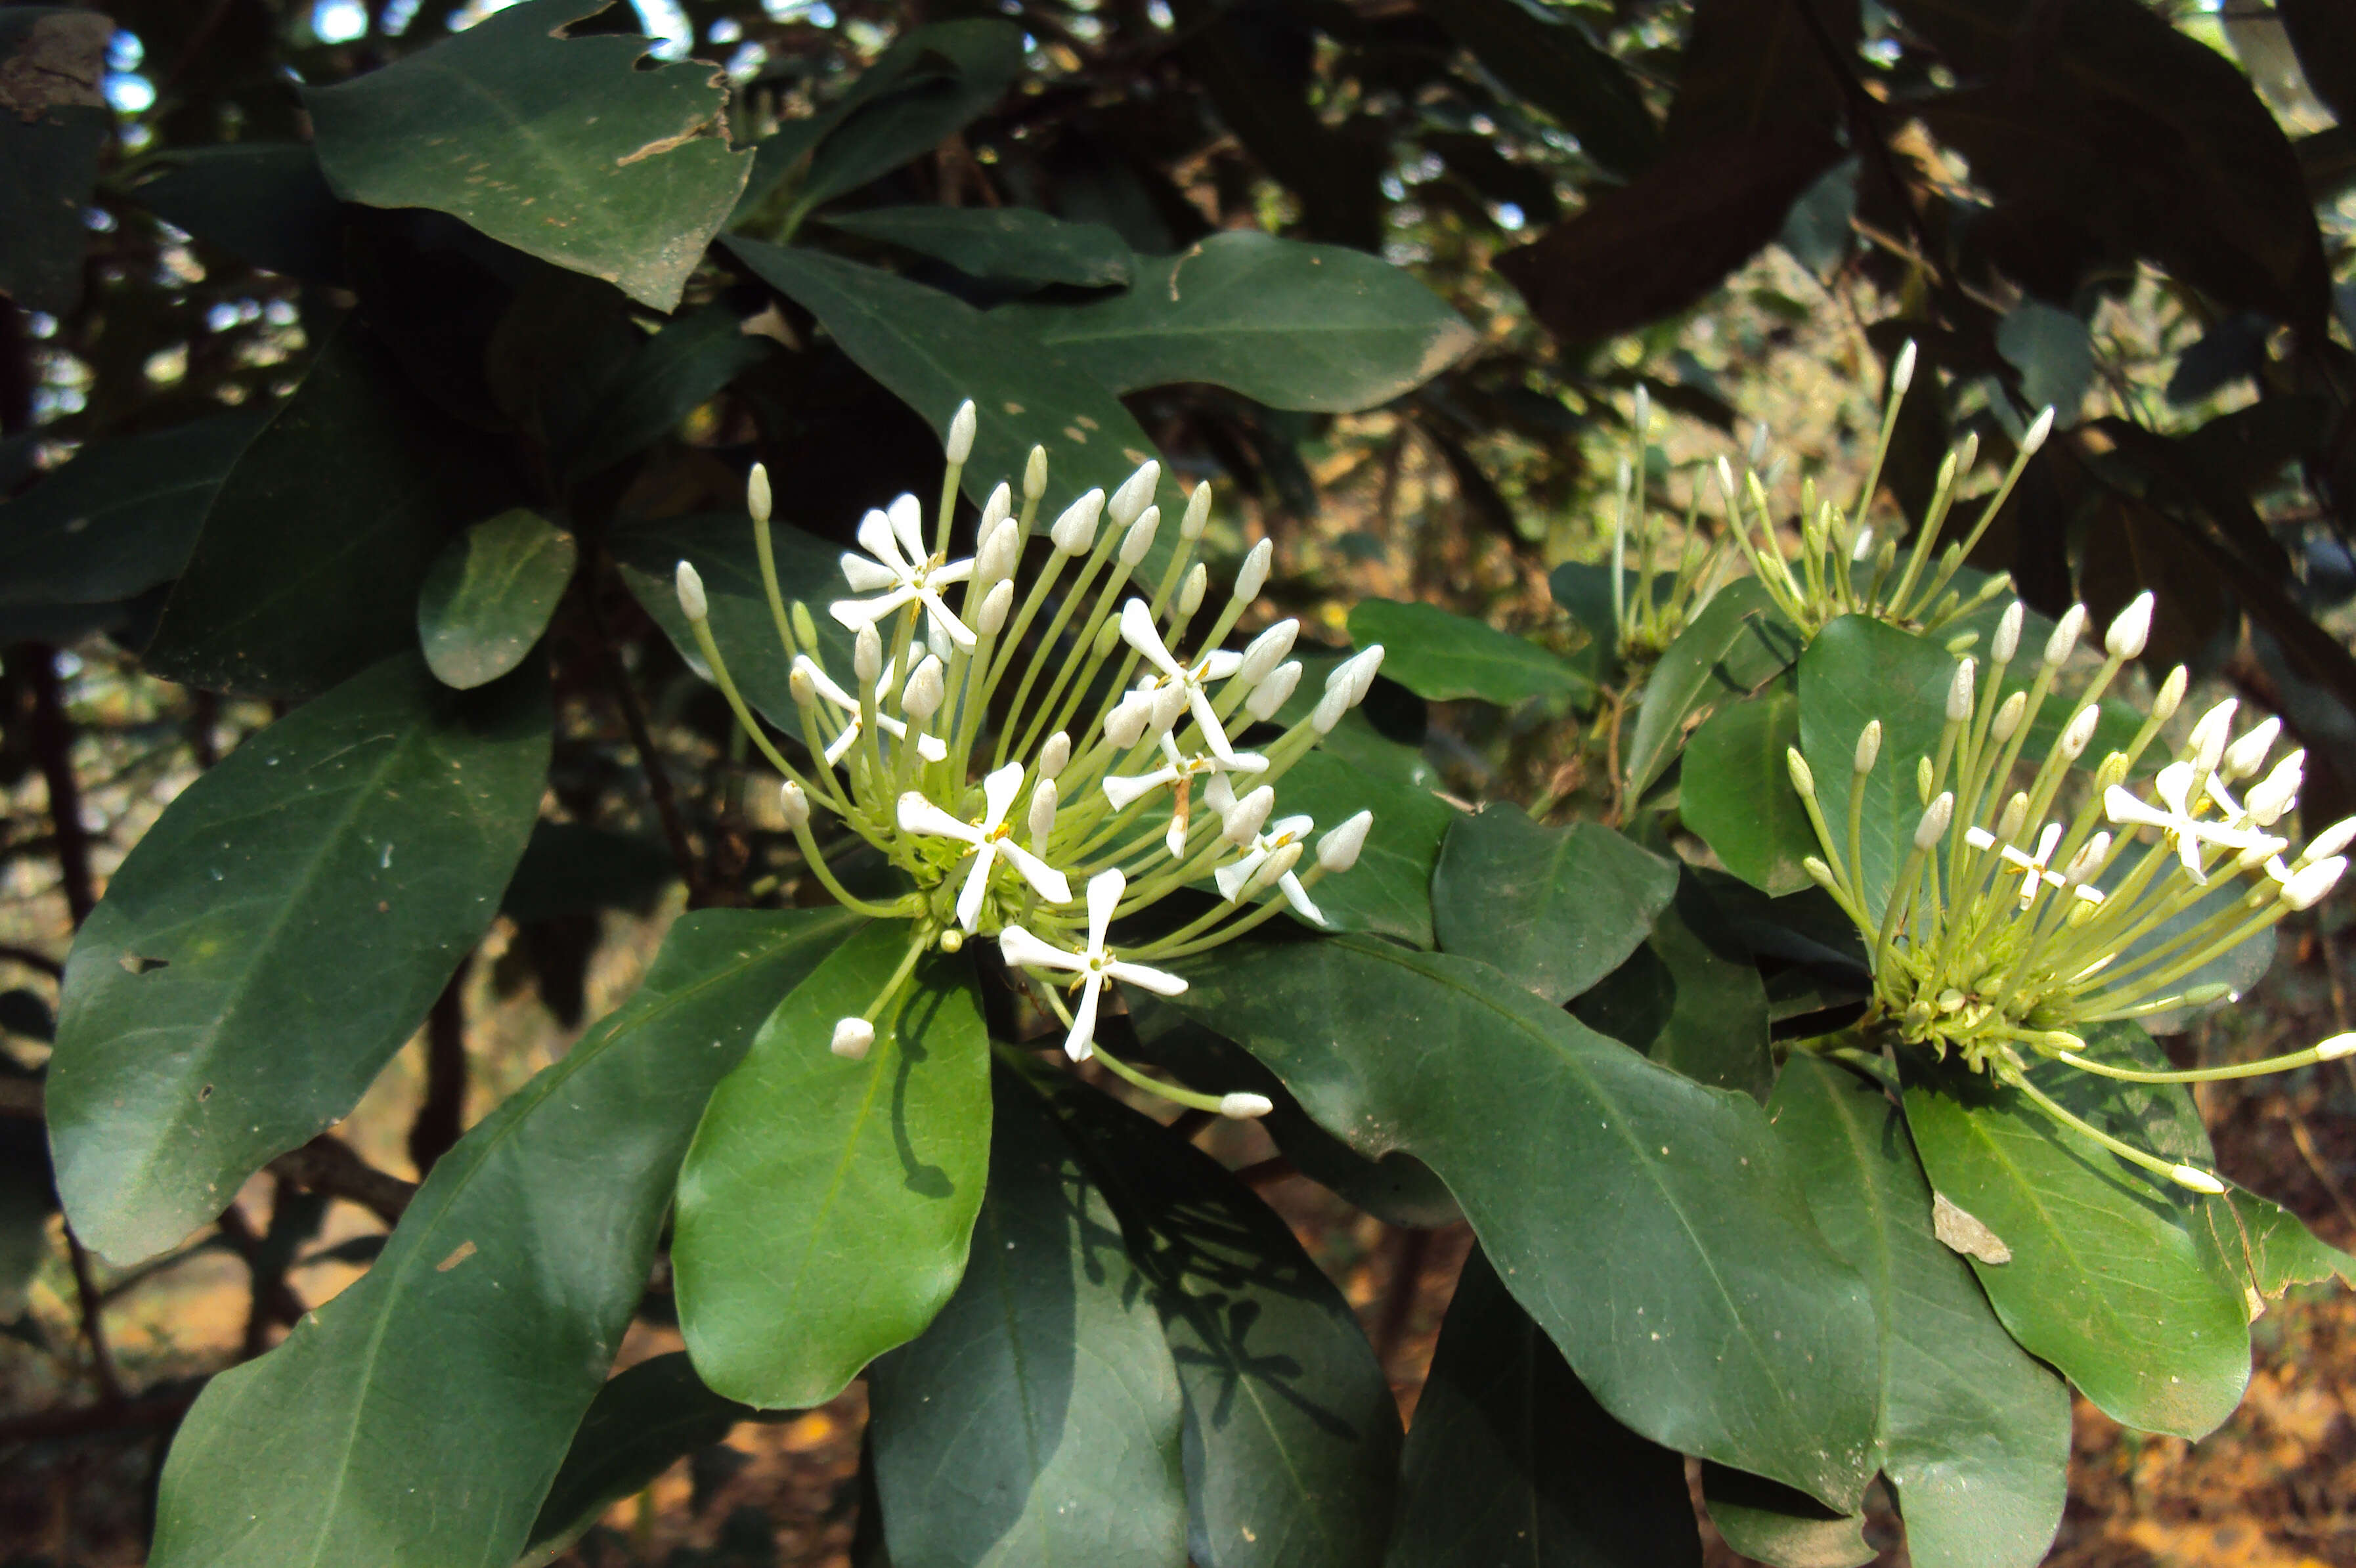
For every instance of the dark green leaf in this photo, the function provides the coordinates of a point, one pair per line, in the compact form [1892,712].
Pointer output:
[931,84]
[276,936]
[1975,1435]
[1441,657]
[571,868]
[1541,54]
[1723,1326]
[1292,1436]
[1512,1462]
[489,595]
[1690,998]
[1389,890]
[53,124]
[1037,1420]
[486,1329]
[934,352]
[2054,353]
[825,1206]
[564,149]
[669,376]
[1775,1525]
[1015,244]
[2109,1280]
[1290,324]
[1738,626]
[310,559]
[1736,788]
[1556,908]
[121,517]
[640,1425]
[1858,670]
[263,202]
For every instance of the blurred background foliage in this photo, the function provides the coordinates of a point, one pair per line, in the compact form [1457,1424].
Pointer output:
[2139,213]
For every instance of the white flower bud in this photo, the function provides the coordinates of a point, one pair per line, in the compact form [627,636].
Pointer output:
[2170,693]
[1959,693]
[691,593]
[1126,722]
[2039,429]
[1902,374]
[991,619]
[1244,1107]
[2247,754]
[867,657]
[1129,499]
[2193,1177]
[1191,591]
[2009,718]
[2008,633]
[2081,733]
[960,441]
[799,683]
[925,691]
[1725,472]
[1056,752]
[1253,576]
[1803,780]
[1933,825]
[2014,816]
[1641,422]
[2309,882]
[1338,849]
[2277,792]
[852,1039]
[2338,1045]
[2066,631]
[2206,745]
[1034,474]
[1043,815]
[1868,746]
[1197,515]
[804,625]
[1241,821]
[1275,692]
[1357,672]
[794,804]
[2331,841]
[1001,547]
[2132,629]
[1267,651]
[996,510]
[2083,864]
[1863,549]
[757,493]
[1330,709]
[1076,530]
[1140,538]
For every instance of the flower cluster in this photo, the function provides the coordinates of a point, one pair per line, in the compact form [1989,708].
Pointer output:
[2018,916]
[1052,763]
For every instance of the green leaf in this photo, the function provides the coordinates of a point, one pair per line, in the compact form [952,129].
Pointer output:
[2269,1247]
[1584,591]
[1542,55]
[667,378]
[568,149]
[1556,908]
[1855,671]
[1441,656]
[1290,324]
[1292,1436]
[641,1423]
[1723,1325]
[2054,353]
[276,936]
[934,352]
[1975,1435]
[420,1416]
[1690,997]
[309,561]
[263,202]
[1512,1462]
[54,123]
[1737,633]
[121,517]
[1388,892]
[1013,243]
[1037,1420]
[488,595]
[1773,1524]
[722,547]
[1736,788]
[2109,1280]
[825,1206]
[930,84]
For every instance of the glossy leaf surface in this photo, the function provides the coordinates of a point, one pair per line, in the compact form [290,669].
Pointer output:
[1736,789]
[276,936]
[484,1330]
[489,595]
[1556,908]
[825,1205]
[1690,998]
[1442,656]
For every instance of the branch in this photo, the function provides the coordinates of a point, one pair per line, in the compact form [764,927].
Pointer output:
[440,1115]
[48,1426]
[93,1328]
[53,736]
[328,1165]
[33,959]
[633,719]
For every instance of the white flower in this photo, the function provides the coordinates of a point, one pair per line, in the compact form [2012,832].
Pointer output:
[1179,772]
[1092,964]
[932,749]
[901,569]
[990,838]
[2035,868]
[1137,629]
[1237,878]
[2176,824]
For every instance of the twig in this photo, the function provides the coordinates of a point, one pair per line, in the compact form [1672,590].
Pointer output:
[633,719]
[1267,1173]
[52,738]
[441,1117]
[328,1167]
[1864,117]
[273,1300]
[93,1304]
[1411,1248]
[1188,1124]
[2314,1160]
[32,959]
[51,1425]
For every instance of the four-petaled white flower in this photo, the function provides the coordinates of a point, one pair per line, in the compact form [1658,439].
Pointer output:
[931,747]
[1180,773]
[1137,629]
[2034,868]
[990,838]
[1287,833]
[902,570]
[2176,824]
[1092,964]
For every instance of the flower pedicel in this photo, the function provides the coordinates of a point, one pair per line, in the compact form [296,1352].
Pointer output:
[1038,807]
